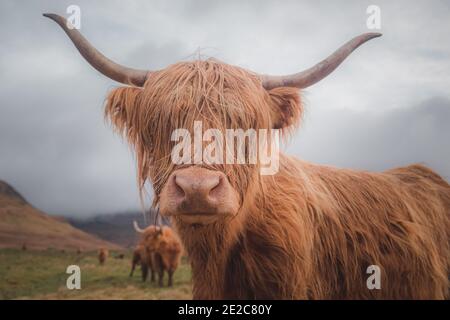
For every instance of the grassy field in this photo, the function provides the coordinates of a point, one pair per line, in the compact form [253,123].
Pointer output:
[42,275]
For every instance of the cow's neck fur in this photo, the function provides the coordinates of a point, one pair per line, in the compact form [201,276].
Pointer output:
[208,249]
[311,231]
[241,256]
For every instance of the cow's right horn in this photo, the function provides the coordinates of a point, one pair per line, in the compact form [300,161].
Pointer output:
[316,73]
[96,59]
[136,227]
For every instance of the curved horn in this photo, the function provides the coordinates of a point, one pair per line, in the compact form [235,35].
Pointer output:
[96,59]
[136,227]
[313,75]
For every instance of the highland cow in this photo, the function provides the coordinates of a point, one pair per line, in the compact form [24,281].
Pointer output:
[136,259]
[307,232]
[142,254]
[160,252]
[102,255]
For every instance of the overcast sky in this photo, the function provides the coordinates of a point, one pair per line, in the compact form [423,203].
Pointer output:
[387,105]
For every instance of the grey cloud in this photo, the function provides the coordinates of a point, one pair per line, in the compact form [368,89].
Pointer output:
[387,106]
[378,141]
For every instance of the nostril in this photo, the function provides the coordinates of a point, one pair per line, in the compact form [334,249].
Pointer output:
[216,188]
[217,183]
[211,183]
[178,187]
[196,186]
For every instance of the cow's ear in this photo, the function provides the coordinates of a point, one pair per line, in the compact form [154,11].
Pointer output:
[286,107]
[120,109]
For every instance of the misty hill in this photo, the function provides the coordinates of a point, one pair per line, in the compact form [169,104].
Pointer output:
[8,193]
[21,223]
[116,228]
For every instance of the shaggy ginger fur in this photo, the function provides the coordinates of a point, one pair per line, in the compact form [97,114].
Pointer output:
[158,250]
[136,259]
[308,232]
[167,255]
[102,255]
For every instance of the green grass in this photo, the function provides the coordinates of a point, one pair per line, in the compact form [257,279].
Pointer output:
[42,275]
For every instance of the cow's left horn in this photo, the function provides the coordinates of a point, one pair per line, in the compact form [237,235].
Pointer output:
[313,75]
[96,59]
[136,227]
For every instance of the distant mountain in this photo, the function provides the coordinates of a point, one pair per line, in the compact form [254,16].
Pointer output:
[116,228]
[8,193]
[22,224]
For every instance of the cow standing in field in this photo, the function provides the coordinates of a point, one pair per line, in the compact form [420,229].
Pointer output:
[102,255]
[160,251]
[136,259]
[142,254]
[307,232]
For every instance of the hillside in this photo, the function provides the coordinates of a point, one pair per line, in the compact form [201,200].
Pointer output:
[116,228]
[21,223]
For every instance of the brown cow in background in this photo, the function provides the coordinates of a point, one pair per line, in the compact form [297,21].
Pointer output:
[159,250]
[142,255]
[307,232]
[102,255]
[136,258]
